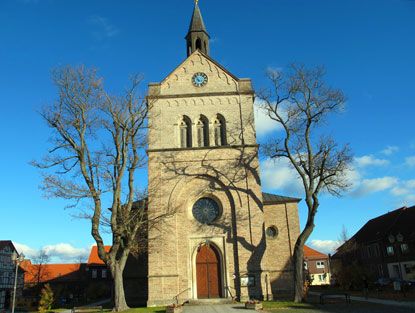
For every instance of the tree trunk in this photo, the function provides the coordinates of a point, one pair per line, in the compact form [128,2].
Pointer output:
[119,297]
[298,259]
[298,273]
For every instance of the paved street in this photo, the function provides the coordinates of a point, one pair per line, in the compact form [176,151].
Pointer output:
[217,308]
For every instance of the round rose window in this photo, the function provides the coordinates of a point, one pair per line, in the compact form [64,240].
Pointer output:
[272,232]
[205,210]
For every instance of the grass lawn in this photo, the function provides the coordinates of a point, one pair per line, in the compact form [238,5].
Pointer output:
[334,305]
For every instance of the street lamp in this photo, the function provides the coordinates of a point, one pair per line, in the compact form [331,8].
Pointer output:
[18,259]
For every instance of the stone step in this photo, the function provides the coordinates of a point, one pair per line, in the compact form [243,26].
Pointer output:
[209,301]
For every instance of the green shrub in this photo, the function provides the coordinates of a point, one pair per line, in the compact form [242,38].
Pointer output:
[46,299]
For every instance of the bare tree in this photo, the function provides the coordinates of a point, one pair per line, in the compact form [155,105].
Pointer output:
[81,259]
[344,236]
[301,102]
[98,144]
[347,245]
[39,271]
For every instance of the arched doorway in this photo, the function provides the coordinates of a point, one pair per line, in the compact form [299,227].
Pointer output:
[208,273]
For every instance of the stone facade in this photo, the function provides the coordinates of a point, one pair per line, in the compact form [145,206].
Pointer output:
[253,262]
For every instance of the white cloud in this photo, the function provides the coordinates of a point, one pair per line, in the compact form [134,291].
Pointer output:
[410,200]
[406,192]
[324,246]
[29,252]
[370,160]
[263,123]
[369,186]
[59,253]
[65,251]
[399,191]
[389,150]
[102,27]
[278,174]
[353,177]
[404,188]
[410,161]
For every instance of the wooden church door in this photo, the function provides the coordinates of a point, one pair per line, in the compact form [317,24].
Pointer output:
[207,273]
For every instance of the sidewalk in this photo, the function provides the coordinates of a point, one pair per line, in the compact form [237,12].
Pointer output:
[409,304]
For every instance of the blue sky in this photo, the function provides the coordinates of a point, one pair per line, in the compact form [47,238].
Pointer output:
[367,46]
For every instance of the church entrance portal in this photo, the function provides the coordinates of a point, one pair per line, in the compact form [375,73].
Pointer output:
[208,273]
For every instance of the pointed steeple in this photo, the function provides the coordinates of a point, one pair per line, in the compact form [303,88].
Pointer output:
[197,36]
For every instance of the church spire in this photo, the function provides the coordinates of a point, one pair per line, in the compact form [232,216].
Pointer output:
[197,37]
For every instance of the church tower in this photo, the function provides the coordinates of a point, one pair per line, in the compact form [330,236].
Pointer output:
[217,235]
[197,36]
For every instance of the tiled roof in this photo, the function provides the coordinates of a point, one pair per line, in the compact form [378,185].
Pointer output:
[269,198]
[313,254]
[4,243]
[94,258]
[398,221]
[47,272]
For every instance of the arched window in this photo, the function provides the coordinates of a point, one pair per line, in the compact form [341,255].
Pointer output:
[199,44]
[203,132]
[185,132]
[220,130]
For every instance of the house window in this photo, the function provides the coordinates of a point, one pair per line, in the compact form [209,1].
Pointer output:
[409,269]
[370,251]
[94,273]
[321,278]
[404,248]
[389,251]
[104,273]
[320,264]
[380,270]
[305,265]
[377,251]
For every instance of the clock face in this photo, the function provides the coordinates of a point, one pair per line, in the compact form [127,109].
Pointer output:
[199,79]
[205,210]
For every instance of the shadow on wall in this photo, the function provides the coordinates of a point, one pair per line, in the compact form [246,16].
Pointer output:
[234,180]
[282,282]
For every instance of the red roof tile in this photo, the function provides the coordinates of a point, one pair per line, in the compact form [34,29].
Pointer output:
[313,254]
[94,258]
[47,272]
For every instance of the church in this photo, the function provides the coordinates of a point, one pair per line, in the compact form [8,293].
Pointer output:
[219,235]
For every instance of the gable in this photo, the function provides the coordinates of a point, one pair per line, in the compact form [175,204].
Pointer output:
[313,254]
[94,258]
[7,246]
[179,82]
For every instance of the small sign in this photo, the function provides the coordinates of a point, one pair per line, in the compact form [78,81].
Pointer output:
[248,281]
